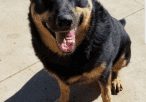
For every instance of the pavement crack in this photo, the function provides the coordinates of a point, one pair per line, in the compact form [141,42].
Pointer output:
[138,2]
[19,71]
[134,13]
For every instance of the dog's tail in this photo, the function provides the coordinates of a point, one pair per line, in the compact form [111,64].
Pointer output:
[123,22]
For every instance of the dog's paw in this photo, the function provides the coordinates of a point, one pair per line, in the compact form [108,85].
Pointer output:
[116,86]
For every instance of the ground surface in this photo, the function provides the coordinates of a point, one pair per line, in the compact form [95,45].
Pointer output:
[22,78]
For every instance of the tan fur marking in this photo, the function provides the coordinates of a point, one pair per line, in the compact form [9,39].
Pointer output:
[84,27]
[94,74]
[106,90]
[73,79]
[65,89]
[120,64]
[65,92]
[48,39]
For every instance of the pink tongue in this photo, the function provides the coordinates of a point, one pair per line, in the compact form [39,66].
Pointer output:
[69,42]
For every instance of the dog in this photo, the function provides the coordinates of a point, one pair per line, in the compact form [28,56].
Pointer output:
[78,40]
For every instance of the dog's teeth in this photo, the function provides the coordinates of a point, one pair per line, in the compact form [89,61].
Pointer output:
[64,41]
[76,28]
[68,38]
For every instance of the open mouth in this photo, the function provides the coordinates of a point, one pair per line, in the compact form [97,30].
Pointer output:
[66,39]
[67,43]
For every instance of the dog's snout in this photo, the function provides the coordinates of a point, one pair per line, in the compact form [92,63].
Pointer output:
[64,21]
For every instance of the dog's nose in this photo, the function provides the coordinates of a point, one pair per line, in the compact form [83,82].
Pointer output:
[64,21]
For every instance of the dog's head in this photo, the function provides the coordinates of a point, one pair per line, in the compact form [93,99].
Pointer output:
[64,23]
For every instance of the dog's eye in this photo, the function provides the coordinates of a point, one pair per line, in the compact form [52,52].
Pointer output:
[48,4]
[82,3]
[43,5]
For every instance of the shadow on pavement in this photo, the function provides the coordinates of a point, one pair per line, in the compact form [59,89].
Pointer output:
[44,88]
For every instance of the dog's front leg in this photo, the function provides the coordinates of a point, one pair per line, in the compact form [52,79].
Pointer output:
[65,92]
[106,89]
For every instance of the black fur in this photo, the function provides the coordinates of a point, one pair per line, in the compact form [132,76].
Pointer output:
[106,41]
[123,22]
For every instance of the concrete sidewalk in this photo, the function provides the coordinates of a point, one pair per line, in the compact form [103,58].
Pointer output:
[22,78]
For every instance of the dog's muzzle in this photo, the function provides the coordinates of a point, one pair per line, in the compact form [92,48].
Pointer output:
[64,21]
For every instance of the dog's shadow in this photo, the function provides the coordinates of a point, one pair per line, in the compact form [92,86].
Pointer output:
[44,88]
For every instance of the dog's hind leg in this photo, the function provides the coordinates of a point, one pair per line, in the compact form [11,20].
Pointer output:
[65,92]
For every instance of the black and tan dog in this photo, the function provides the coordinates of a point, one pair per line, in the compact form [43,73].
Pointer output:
[78,40]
